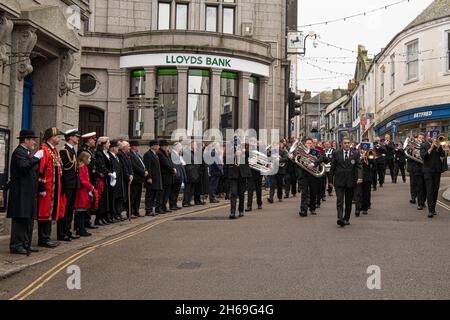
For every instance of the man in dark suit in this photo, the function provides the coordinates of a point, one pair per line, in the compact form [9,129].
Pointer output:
[238,173]
[193,161]
[22,193]
[180,177]
[399,163]
[432,152]
[128,175]
[346,172]
[70,182]
[390,153]
[380,159]
[168,173]
[153,184]
[278,178]
[139,175]
[215,172]
[417,181]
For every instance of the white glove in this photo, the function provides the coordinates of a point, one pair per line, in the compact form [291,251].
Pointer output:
[311,165]
[39,154]
[91,194]
[42,194]
[114,175]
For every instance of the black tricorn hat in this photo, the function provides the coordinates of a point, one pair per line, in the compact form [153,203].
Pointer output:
[134,143]
[154,143]
[51,132]
[24,134]
[163,143]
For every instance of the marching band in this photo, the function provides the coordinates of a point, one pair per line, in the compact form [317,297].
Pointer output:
[106,178]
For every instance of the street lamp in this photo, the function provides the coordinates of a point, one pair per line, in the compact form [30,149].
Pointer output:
[311,34]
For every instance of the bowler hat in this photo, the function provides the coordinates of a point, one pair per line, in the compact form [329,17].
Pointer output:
[134,143]
[163,143]
[24,134]
[154,143]
[114,143]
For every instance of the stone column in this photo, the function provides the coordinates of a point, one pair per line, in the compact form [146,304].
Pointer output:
[243,116]
[262,112]
[215,98]
[182,97]
[149,114]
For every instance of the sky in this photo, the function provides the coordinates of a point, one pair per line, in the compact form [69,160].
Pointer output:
[374,31]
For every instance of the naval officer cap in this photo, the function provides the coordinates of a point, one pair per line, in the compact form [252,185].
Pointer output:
[90,135]
[71,132]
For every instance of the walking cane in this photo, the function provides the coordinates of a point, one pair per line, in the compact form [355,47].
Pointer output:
[129,201]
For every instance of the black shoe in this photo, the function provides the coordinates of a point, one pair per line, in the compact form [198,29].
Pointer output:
[90,226]
[187,205]
[259,207]
[280,200]
[104,221]
[84,233]
[270,200]
[346,222]
[303,214]
[313,213]
[150,214]
[317,206]
[74,236]
[18,251]
[166,210]
[110,220]
[248,210]
[412,201]
[381,186]
[174,208]
[64,238]
[157,211]
[33,249]
[214,201]
[430,215]
[341,223]
[286,197]
[232,216]
[364,212]
[48,244]
[435,213]
[98,223]
[241,214]
[357,214]
[374,189]
[420,208]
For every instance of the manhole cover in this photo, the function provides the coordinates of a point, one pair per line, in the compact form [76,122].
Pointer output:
[189,265]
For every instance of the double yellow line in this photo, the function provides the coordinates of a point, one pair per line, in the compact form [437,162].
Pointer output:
[47,276]
[443,205]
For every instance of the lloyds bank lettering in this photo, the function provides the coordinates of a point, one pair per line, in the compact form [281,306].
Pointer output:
[193,60]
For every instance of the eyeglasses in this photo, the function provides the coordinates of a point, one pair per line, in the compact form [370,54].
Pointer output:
[346,142]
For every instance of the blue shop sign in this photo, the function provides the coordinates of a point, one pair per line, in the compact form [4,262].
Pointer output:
[414,115]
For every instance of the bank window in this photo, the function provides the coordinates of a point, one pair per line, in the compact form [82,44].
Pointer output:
[253,103]
[228,101]
[166,113]
[211,18]
[182,16]
[228,20]
[392,72]
[412,60]
[198,100]
[164,15]
[137,83]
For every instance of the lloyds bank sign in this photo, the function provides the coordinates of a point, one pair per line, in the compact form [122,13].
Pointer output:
[195,61]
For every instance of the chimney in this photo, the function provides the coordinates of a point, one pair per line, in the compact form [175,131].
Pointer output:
[307,95]
[351,85]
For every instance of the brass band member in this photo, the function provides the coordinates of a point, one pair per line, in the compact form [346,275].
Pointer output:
[363,189]
[399,162]
[380,150]
[278,178]
[390,152]
[431,152]
[416,179]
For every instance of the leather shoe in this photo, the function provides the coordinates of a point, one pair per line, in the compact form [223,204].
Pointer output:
[357,214]
[260,207]
[420,208]
[341,223]
[430,215]
[412,201]
[49,244]
[91,227]
[166,210]
[248,210]
[364,212]
[18,251]
[84,233]
[174,208]
[104,221]
[33,249]
[346,222]
[232,216]
[313,212]
[65,238]
[74,236]
[214,201]
[303,214]
[241,214]
[98,223]
[270,200]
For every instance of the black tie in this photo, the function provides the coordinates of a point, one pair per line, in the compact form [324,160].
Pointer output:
[346,155]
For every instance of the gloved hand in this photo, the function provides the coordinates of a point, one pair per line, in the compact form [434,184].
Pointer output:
[39,154]
[42,194]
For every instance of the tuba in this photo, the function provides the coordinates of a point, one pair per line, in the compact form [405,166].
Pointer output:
[260,162]
[412,149]
[299,153]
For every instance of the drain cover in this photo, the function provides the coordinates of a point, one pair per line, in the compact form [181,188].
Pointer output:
[189,265]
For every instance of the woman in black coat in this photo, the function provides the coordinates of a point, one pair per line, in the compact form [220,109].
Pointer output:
[103,163]
[117,191]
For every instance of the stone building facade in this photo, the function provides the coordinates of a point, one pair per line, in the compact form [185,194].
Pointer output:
[39,63]
[221,62]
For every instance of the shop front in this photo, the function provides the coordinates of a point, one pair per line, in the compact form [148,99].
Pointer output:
[410,122]
[219,91]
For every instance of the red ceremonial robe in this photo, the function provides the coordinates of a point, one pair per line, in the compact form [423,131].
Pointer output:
[49,164]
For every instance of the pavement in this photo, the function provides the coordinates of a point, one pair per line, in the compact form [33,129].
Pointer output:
[268,254]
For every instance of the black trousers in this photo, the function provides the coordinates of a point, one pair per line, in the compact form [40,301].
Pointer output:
[381,171]
[164,196]
[321,189]
[418,188]
[136,194]
[277,183]
[188,191]
[432,182]
[44,231]
[390,165]
[399,167]
[363,196]
[374,173]
[213,187]
[344,202]
[64,225]
[329,185]
[309,189]
[237,191]
[290,183]
[21,233]
[198,192]
[174,192]
[254,185]
[152,200]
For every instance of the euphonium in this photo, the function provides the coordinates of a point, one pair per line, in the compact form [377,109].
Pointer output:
[260,162]
[299,153]
[412,149]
